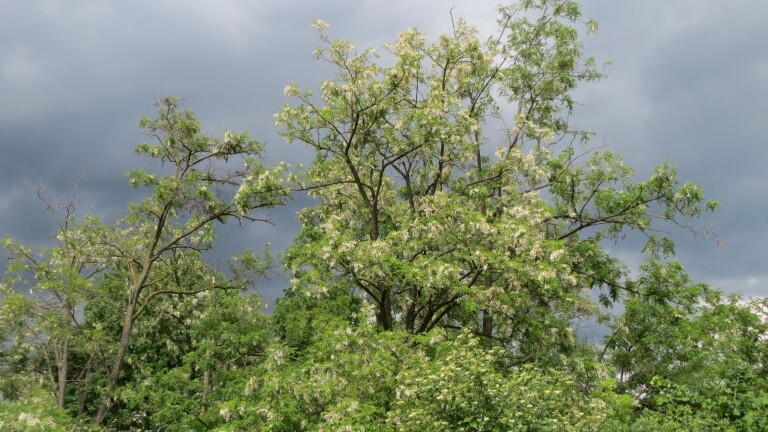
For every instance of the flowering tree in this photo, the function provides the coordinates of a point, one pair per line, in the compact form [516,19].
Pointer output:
[200,188]
[186,351]
[43,293]
[203,180]
[458,227]
[441,224]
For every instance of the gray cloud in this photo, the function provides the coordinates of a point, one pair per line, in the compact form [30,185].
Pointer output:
[687,83]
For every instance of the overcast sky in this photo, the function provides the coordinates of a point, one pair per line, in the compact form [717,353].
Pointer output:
[689,82]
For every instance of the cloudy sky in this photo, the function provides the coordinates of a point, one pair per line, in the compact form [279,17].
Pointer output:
[689,82]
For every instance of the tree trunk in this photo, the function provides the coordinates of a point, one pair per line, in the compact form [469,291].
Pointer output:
[410,313]
[385,310]
[63,364]
[206,386]
[487,329]
[114,374]
[87,375]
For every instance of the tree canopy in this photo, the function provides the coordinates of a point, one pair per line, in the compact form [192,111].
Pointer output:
[456,236]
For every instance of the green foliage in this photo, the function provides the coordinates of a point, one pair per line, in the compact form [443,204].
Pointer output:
[687,351]
[27,406]
[652,421]
[177,220]
[151,253]
[209,342]
[354,376]
[419,216]
[461,386]
[435,283]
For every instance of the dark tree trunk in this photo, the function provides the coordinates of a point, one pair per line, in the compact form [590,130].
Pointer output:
[86,385]
[385,311]
[122,349]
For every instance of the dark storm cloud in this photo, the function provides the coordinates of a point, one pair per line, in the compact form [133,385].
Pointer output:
[75,76]
[688,83]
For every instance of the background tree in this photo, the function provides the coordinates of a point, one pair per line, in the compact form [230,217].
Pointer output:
[154,250]
[683,349]
[44,291]
[199,189]
[186,355]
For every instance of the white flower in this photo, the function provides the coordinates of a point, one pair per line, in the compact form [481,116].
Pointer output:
[225,413]
[320,25]
[556,255]
[291,91]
